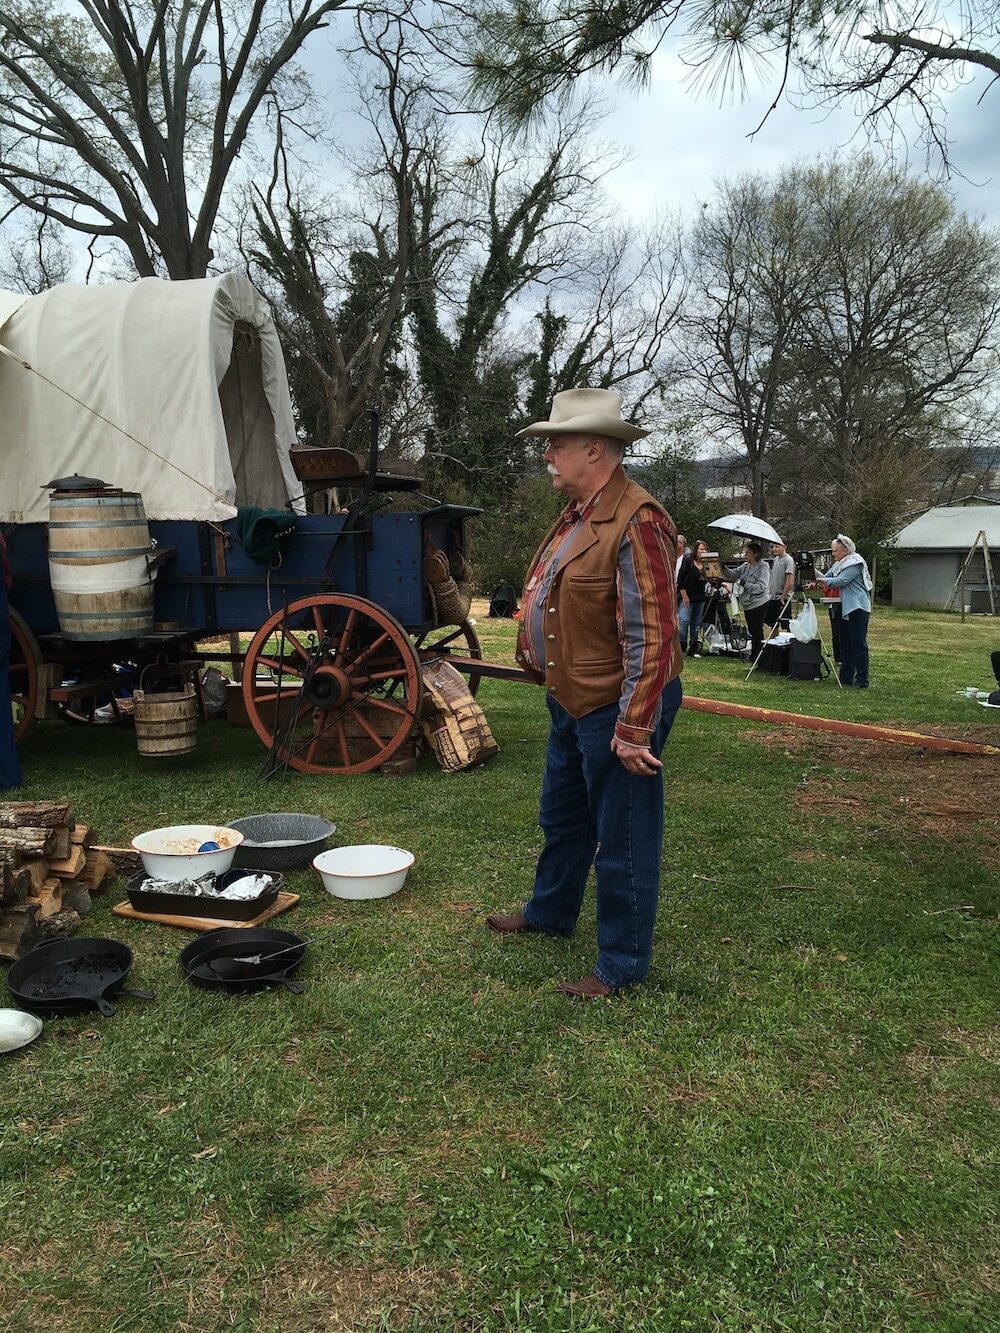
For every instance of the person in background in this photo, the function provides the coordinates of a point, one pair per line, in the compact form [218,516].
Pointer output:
[10,768]
[753,577]
[599,630]
[691,591]
[682,542]
[849,573]
[781,585]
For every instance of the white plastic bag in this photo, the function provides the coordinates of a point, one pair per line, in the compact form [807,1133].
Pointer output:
[804,625]
[711,640]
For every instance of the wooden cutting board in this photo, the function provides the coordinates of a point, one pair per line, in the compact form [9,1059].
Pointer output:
[283,903]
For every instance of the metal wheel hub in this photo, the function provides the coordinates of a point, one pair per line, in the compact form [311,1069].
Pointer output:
[329,687]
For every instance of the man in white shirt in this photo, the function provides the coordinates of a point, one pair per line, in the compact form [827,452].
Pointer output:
[782,583]
[682,542]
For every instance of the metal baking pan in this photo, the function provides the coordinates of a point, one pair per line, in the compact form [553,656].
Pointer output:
[217,909]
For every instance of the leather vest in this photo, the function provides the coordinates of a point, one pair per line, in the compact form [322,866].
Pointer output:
[584,656]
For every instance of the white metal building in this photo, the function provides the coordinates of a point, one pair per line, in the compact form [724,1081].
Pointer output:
[931,552]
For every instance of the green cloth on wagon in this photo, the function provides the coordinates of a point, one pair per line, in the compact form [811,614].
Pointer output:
[260,531]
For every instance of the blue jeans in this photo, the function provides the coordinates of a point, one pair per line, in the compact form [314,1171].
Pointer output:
[594,812]
[854,648]
[688,625]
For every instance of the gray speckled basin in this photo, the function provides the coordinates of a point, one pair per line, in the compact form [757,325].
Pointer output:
[281,841]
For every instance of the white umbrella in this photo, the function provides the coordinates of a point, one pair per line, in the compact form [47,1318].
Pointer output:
[747,525]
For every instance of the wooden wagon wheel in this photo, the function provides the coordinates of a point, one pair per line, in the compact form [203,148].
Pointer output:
[461,639]
[350,685]
[25,660]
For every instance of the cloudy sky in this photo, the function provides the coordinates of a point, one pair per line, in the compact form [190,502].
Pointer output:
[682,142]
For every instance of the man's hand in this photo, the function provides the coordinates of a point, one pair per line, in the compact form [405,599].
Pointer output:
[638,759]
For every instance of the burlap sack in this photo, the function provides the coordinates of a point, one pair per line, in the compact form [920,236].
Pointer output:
[453,723]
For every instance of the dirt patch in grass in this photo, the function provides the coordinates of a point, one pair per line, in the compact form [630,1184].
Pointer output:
[985,1043]
[315,1296]
[947,796]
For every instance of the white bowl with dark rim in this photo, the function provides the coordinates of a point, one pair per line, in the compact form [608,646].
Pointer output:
[371,870]
[17,1030]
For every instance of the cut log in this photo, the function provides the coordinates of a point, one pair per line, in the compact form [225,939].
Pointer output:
[10,858]
[125,861]
[50,928]
[75,896]
[15,886]
[97,870]
[38,871]
[82,836]
[30,841]
[50,897]
[17,925]
[35,814]
[61,845]
[71,866]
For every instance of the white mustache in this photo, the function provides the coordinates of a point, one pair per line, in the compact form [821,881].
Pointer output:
[552,471]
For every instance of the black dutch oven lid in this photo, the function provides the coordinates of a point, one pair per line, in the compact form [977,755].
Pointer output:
[76,483]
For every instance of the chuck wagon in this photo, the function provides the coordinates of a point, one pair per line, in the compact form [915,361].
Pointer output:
[176,393]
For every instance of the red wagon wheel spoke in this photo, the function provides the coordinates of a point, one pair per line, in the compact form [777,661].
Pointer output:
[25,661]
[289,637]
[390,708]
[335,716]
[359,717]
[372,648]
[352,620]
[281,665]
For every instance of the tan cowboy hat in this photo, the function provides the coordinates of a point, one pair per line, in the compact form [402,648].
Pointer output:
[587,411]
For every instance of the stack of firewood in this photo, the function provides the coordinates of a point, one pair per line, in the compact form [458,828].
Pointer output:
[49,870]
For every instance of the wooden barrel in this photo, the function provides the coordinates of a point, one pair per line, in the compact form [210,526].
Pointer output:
[98,549]
[166,724]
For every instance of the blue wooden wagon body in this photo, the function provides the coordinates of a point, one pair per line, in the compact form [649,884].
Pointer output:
[211,586]
[340,627]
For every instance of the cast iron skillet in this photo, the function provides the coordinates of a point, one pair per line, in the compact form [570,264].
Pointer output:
[227,942]
[72,976]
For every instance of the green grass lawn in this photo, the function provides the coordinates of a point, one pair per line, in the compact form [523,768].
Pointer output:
[791,1125]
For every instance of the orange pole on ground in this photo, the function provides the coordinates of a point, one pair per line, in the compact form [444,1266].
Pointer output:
[860,730]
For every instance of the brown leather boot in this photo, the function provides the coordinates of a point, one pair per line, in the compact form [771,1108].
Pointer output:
[509,925]
[587,988]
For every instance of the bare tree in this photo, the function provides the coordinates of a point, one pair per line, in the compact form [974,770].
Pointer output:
[843,333]
[525,213]
[615,326]
[338,283]
[34,258]
[123,120]
[753,276]
[898,356]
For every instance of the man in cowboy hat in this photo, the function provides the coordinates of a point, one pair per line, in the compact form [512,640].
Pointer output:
[599,629]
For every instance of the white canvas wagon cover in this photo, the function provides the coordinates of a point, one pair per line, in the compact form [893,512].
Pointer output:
[193,370]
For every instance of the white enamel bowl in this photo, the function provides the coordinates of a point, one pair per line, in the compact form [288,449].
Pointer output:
[172,853]
[369,871]
[17,1029]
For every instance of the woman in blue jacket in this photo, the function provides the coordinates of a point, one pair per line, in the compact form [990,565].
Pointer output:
[850,574]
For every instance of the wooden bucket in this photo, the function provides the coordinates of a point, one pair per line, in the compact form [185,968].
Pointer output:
[166,724]
[98,565]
